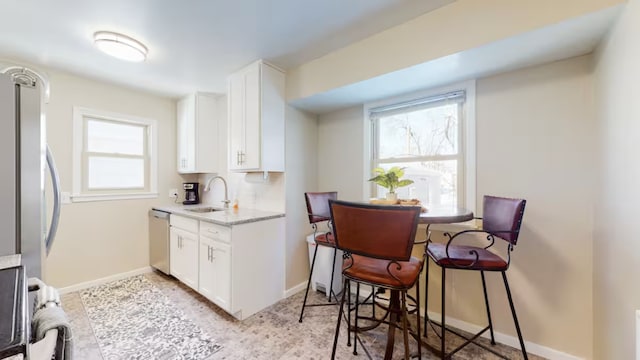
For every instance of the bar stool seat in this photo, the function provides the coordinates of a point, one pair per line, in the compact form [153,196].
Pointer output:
[383,272]
[326,240]
[465,256]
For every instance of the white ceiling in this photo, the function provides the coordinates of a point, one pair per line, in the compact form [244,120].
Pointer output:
[193,44]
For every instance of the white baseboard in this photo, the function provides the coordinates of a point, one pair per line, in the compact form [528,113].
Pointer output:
[294,290]
[505,339]
[104,280]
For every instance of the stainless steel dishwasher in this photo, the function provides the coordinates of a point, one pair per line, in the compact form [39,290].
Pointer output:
[159,240]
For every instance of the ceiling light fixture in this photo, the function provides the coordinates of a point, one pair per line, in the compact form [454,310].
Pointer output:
[120,46]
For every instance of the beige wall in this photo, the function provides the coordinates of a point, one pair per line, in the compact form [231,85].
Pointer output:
[301,176]
[535,132]
[405,45]
[616,247]
[99,239]
[341,153]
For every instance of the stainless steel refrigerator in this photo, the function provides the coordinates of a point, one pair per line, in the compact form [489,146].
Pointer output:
[24,159]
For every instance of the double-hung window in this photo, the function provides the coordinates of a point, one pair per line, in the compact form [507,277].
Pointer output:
[428,136]
[114,156]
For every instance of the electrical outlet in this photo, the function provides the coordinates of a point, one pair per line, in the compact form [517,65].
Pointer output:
[173,193]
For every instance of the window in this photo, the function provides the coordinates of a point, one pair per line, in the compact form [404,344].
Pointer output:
[114,156]
[431,137]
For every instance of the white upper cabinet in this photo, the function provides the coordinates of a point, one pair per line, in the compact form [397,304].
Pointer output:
[256,119]
[198,134]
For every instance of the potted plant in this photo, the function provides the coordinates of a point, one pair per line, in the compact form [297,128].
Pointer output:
[391,180]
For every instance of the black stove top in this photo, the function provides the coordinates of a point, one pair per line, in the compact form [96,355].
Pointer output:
[14,321]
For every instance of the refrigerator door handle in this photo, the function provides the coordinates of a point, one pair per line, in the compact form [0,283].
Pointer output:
[55,218]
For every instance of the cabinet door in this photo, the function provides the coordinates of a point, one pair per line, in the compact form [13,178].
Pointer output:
[236,120]
[186,134]
[206,283]
[184,256]
[251,157]
[222,272]
[175,255]
[189,247]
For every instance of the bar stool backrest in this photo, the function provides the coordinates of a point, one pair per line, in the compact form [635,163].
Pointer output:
[503,217]
[318,205]
[377,231]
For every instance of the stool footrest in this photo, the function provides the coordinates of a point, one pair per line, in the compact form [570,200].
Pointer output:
[469,340]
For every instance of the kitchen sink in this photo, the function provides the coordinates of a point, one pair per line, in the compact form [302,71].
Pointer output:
[204,209]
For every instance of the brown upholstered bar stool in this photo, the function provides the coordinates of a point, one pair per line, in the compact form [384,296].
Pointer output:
[377,241]
[318,211]
[502,218]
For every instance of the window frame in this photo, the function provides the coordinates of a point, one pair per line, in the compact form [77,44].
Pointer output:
[81,191]
[467,192]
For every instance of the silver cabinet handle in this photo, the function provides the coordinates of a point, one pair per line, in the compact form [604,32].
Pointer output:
[240,157]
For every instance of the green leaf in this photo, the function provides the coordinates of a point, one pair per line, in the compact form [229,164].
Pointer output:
[390,179]
[405,182]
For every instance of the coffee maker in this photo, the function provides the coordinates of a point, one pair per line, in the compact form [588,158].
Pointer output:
[191,194]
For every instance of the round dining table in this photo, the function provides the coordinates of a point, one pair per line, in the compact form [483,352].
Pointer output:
[432,216]
[445,215]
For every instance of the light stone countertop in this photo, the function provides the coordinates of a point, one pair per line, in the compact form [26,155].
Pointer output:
[225,217]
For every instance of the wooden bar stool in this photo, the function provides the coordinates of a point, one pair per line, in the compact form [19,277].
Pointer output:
[502,218]
[377,241]
[318,211]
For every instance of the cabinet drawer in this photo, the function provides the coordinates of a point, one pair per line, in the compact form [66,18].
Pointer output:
[184,223]
[215,231]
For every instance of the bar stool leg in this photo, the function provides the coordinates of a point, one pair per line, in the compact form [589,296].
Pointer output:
[405,326]
[515,317]
[349,314]
[418,318]
[340,314]
[486,301]
[426,299]
[333,270]
[355,321]
[443,332]
[306,293]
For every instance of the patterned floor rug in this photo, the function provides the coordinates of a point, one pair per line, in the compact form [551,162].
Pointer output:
[133,319]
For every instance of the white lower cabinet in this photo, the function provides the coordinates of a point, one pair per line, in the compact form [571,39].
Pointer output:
[215,272]
[240,268]
[183,250]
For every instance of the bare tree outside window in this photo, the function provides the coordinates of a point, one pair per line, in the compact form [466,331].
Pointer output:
[426,142]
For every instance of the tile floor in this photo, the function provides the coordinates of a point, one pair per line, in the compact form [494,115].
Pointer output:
[273,333]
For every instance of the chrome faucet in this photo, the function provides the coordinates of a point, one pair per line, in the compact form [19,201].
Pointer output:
[226,195]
